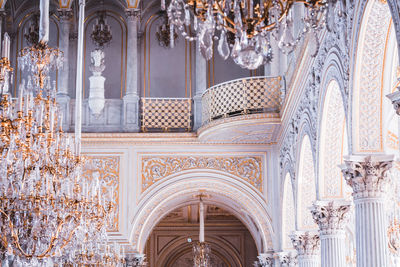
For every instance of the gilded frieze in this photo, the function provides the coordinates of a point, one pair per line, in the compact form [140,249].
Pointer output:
[156,168]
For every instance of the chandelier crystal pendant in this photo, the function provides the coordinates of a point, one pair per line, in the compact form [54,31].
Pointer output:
[201,250]
[251,22]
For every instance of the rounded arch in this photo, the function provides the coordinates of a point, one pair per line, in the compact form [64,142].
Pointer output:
[288,213]
[223,190]
[333,144]
[219,247]
[368,85]
[306,186]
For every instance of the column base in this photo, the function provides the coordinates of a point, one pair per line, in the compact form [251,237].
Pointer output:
[130,119]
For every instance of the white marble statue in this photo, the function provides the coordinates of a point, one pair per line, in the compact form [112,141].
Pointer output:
[96,93]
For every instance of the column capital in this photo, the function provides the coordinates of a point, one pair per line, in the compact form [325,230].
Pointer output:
[266,259]
[395,98]
[331,216]
[64,14]
[367,174]
[133,14]
[306,243]
[135,260]
[287,258]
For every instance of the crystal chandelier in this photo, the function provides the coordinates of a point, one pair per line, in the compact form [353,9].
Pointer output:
[201,250]
[45,207]
[252,23]
[163,33]
[101,34]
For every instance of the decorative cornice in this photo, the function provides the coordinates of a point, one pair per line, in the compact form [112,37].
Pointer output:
[306,243]
[367,175]
[331,216]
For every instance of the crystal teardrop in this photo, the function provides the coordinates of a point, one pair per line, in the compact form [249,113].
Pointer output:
[223,46]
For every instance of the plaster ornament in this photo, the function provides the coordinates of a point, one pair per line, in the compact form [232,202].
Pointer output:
[96,94]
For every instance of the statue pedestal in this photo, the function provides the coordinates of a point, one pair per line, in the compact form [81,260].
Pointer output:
[96,95]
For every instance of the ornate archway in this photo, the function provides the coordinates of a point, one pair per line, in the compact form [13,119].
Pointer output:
[224,190]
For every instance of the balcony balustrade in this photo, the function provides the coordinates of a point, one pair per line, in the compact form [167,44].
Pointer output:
[166,114]
[242,96]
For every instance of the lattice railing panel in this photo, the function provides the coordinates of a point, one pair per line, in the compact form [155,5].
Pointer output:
[166,113]
[260,94]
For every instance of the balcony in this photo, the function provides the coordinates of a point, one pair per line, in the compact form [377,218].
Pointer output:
[242,111]
[166,114]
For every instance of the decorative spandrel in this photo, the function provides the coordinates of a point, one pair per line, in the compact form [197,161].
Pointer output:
[156,168]
[106,169]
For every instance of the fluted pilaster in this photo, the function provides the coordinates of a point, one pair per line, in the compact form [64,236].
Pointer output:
[307,247]
[367,175]
[287,259]
[331,217]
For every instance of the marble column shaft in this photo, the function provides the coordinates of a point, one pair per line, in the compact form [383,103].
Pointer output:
[133,19]
[201,86]
[65,16]
[131,98]
[331,217]
[307,247]
[367,175]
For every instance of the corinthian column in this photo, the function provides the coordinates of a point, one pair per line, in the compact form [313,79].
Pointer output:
[131,98]
[63,98]
[65,16]
[265,260]
[331,217]
[367,175]
[307,247]
[287,259]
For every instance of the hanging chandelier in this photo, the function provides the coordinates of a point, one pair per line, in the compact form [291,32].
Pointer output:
[201,250]
[250,24]
[101,34]
[45,207]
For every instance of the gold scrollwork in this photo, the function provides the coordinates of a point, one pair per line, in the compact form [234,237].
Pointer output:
[155,168]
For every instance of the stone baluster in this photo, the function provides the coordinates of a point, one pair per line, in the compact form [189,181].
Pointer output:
[307,247]
[287,259]
[367,175]
[131,98]
[135,260]
[63,98]
[331,217]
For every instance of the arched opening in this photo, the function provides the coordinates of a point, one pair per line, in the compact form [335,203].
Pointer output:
[368,87]
[223,190]
[288,213]
[306,187]
[171,241]
[333,145]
